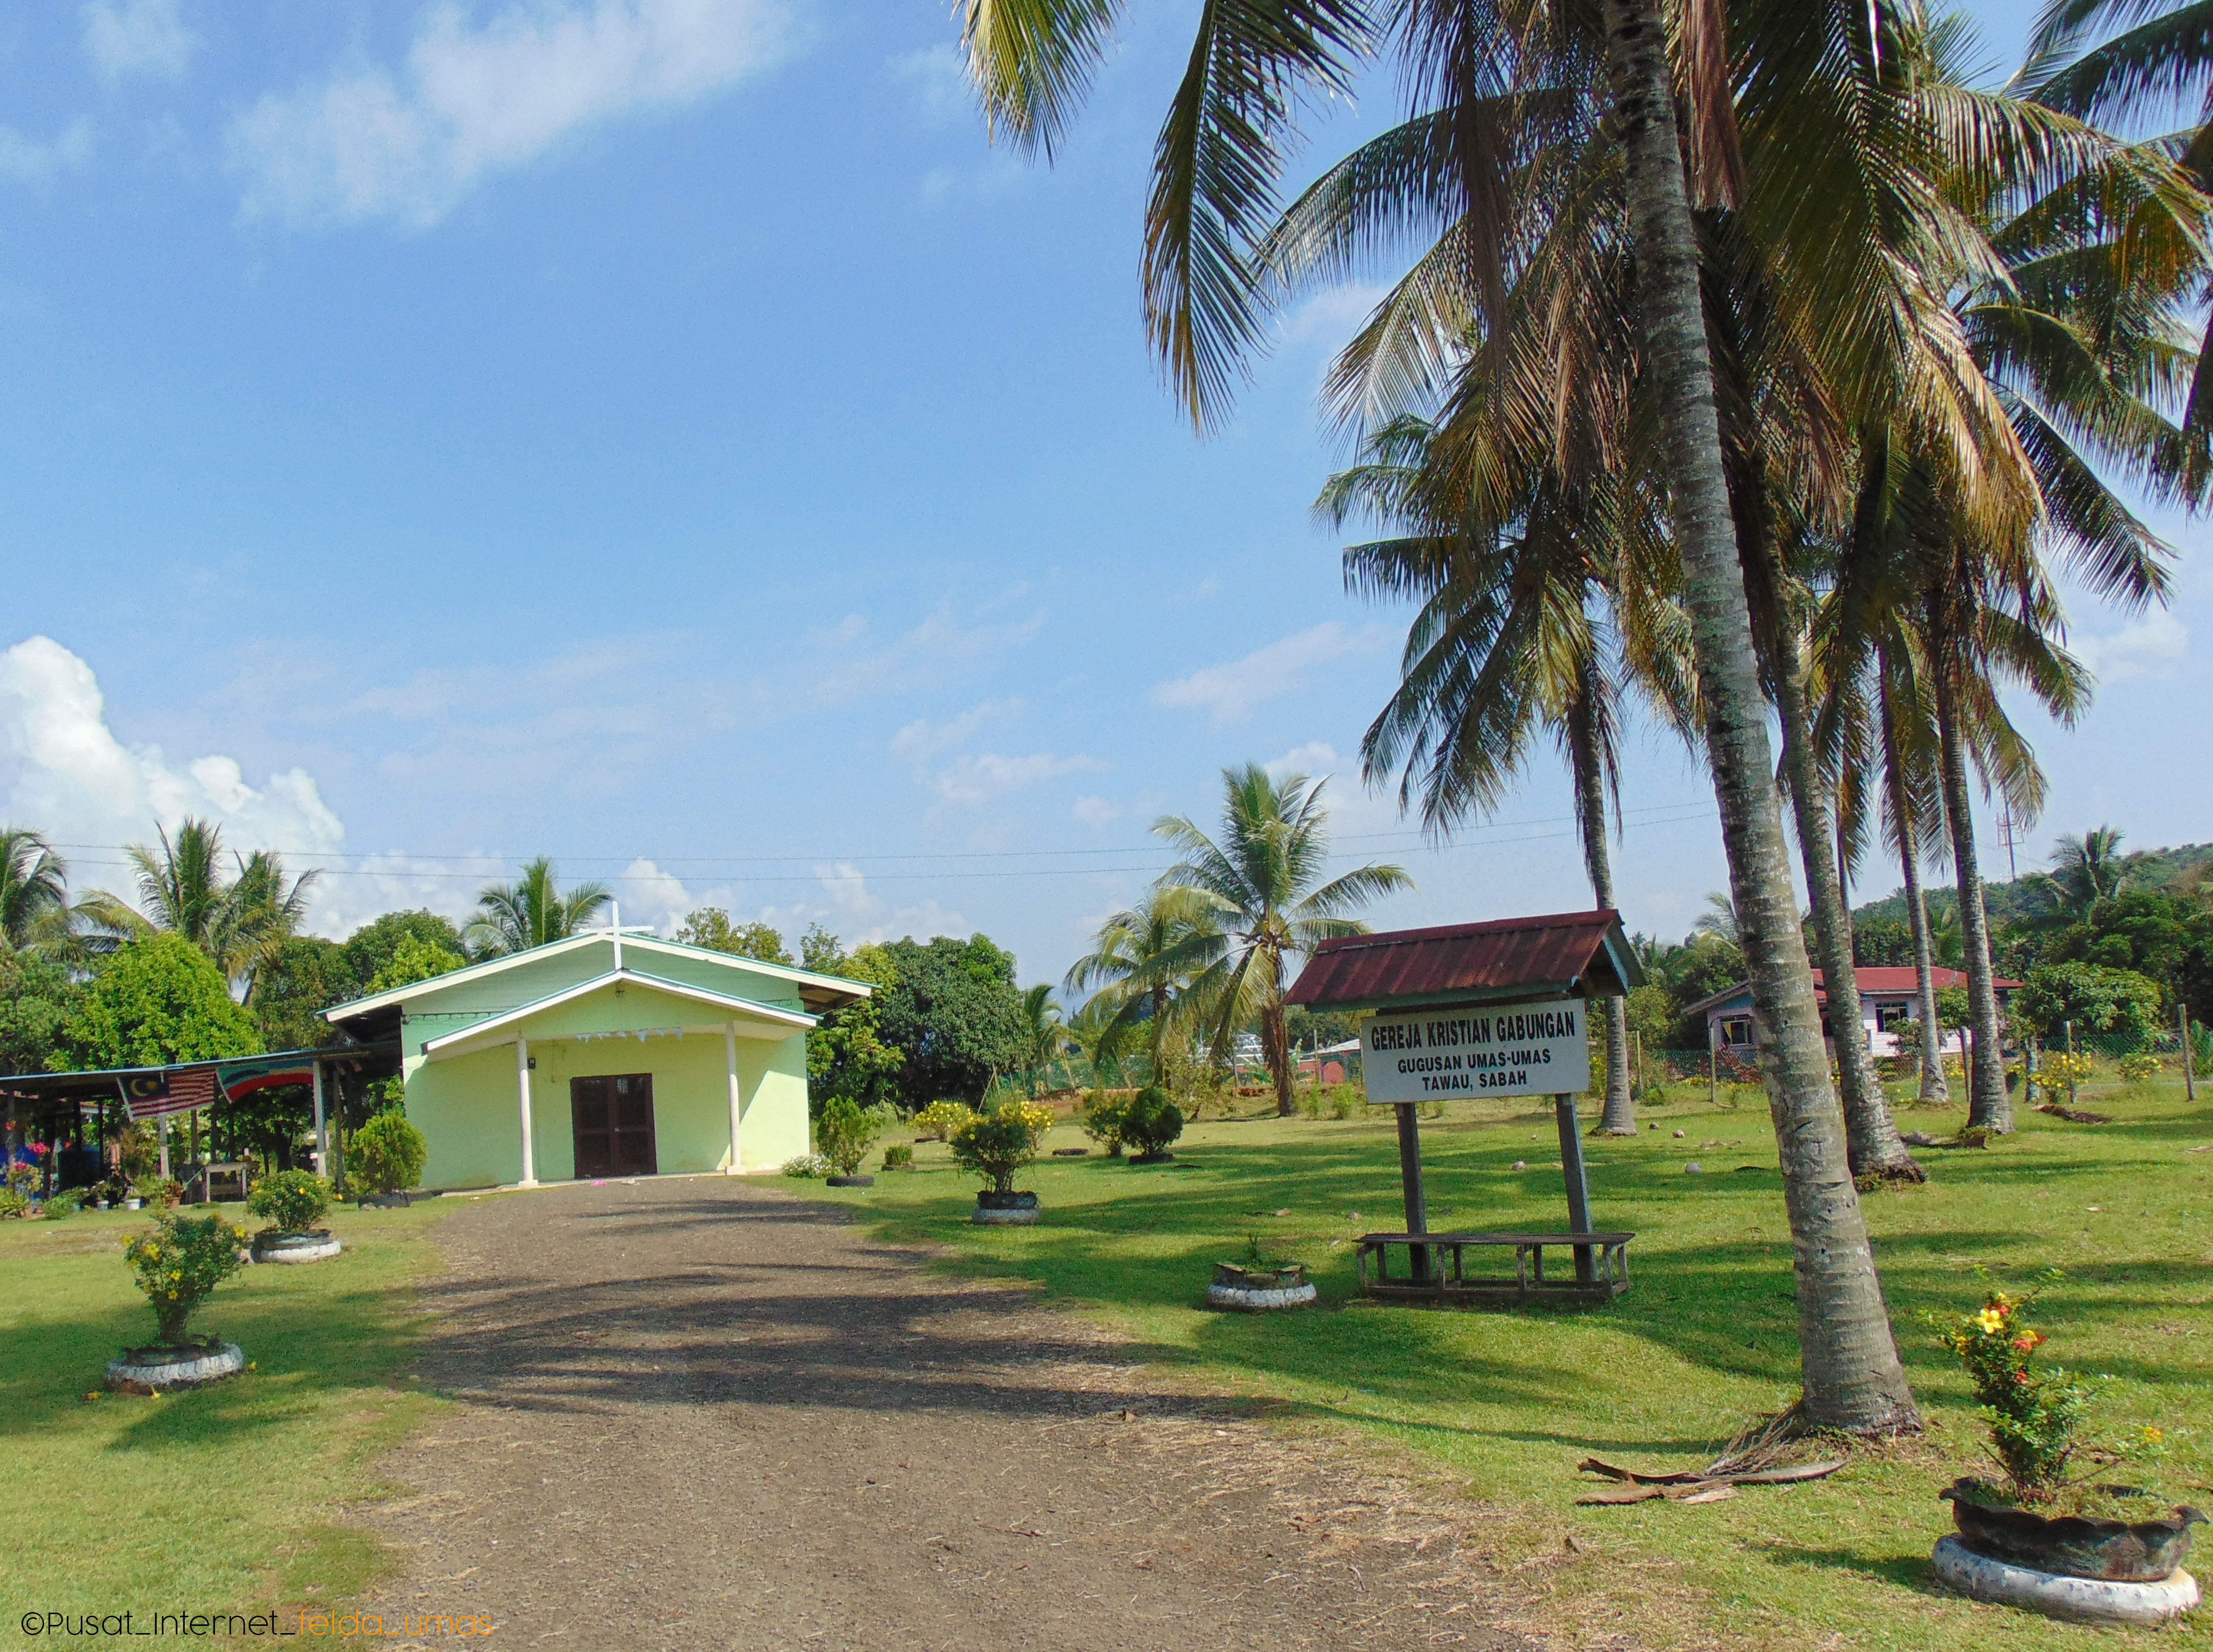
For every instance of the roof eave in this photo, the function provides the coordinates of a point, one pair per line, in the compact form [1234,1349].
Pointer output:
[797,1019]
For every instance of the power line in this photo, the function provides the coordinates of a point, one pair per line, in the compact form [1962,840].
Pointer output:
[1654,814]
[1150,867]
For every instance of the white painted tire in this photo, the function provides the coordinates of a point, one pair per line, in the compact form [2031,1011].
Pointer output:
[1021,1217]
[298,1247]
[212,1365]
[1259,1301]
[2087,1599]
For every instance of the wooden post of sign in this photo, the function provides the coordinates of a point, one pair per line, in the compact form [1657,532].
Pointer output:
[1410,1176]
[2069,1025]
[1572,1163]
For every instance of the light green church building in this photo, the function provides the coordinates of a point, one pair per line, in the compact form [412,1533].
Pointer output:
[611,1053]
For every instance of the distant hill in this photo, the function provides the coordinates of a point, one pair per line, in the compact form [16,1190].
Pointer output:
[2155,868]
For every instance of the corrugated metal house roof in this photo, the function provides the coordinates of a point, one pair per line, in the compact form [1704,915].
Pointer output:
[1581,954]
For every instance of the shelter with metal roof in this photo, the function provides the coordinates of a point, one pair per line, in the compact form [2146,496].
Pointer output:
[610,1054]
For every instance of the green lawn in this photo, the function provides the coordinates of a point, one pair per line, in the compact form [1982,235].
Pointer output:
[210,1501]
[1510,1399]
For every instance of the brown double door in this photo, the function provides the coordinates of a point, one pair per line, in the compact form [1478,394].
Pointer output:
[613,1118]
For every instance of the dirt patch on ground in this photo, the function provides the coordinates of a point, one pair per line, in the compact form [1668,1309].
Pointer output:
[696,1413]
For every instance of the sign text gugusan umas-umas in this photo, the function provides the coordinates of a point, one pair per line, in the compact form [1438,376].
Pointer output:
[1539,1048]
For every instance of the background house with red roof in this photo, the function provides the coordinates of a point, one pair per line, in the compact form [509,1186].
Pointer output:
[1888,994]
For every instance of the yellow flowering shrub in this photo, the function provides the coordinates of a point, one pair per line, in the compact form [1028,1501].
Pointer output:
[943,1120]
[179,1263]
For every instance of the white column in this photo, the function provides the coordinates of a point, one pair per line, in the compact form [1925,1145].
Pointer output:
[522,1091]
[322,1131]
[730,1059]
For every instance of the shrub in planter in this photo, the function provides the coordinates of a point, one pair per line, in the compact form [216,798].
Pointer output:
[157,1193]
[179,1264]
[1102,1118]
[942,1120]
[1002,1142]
[63,1203]
[2033,1416]
[291,1202]
[899,1156]
[1150,1123]
[845,1134]
[386,1155]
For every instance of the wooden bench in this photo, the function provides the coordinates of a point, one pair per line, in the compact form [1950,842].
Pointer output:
[1601,1271]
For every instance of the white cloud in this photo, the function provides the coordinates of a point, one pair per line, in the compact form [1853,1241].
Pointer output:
[858,915]
[938,77]
[1095,811]
[137,36]
[920,739]
[948,636]
[977,779]
[475,100]
[26,160]
[1314,759]
[1229,692]
[1333,316]
[64,772]
[2154,646]
[350,895]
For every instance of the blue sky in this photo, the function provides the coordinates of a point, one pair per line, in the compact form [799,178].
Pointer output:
[666,434]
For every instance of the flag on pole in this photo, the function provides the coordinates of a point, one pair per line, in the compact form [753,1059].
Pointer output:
[242,1078]
[174,1089]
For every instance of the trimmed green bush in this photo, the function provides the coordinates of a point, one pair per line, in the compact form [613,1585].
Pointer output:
[387,1154]
[1150,1121]
[845,1134]
[291,1201]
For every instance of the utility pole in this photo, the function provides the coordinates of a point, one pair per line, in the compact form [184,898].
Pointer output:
[2009,836]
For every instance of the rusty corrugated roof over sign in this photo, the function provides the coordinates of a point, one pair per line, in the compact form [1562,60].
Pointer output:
[1584,952]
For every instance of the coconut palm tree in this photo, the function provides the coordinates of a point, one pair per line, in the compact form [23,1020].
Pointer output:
[1819,152]
[1140,969]
[532,910]
[1513,635]
[2089,868]
[1262,885]
[181,886]
[1043,1034]
[2159,58]
[33,889]
[239,919]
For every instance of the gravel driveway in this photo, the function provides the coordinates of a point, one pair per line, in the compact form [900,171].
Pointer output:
[702,1413]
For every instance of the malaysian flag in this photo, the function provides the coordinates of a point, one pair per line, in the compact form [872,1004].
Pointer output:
[174,1089]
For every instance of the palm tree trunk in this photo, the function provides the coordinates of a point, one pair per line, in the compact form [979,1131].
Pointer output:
[1933,1087]
[1872,1143]
[1619,1117]
[1848,1358]
[1989,1106]
[1275,1037]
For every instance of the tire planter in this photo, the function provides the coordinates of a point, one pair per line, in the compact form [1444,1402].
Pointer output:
[2093,1600]
[1162,1157]
[157,1370]
[315,1246]
[1005,1210]
[849,1181]
[1260,1290]
[2072,1545]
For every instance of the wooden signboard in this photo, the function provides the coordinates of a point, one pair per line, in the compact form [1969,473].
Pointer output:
[1530,1049]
